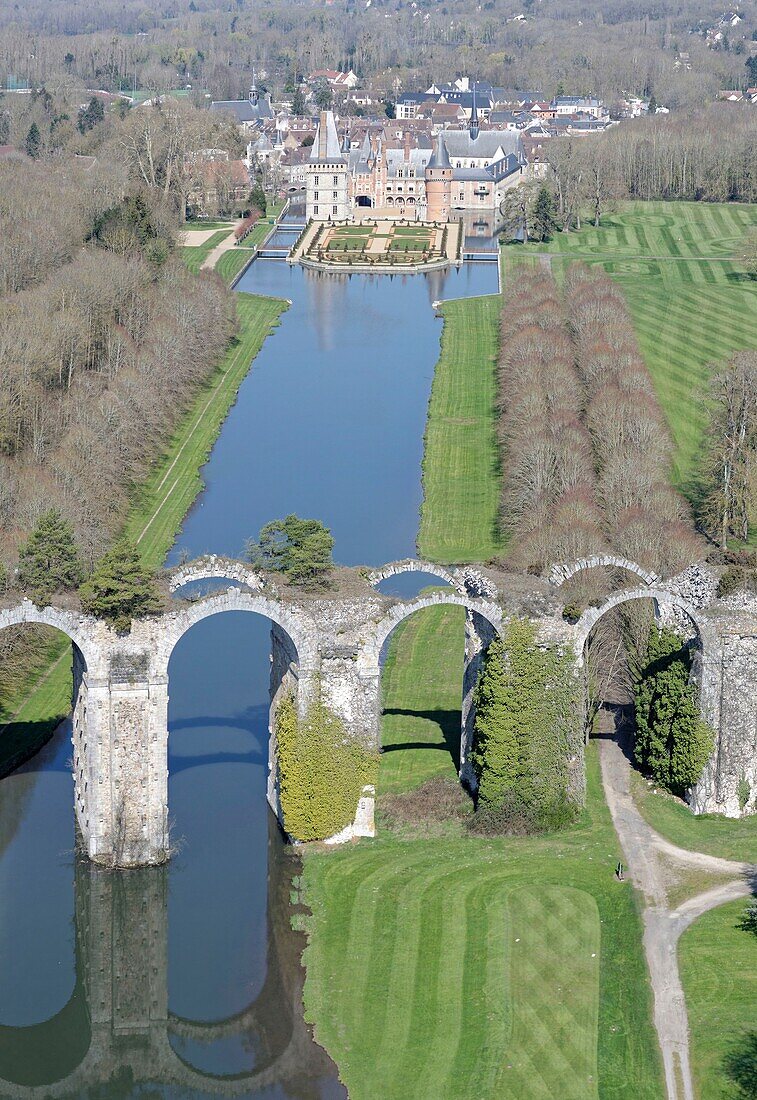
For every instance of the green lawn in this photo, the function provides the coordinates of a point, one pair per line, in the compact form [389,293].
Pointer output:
[461,478]
[202,226]
[194,255]
[165,498]
[232,262]
[420,734]
[455,967]
[690,303]
[730,838]
[718,963]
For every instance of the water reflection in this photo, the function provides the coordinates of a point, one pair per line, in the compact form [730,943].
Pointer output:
[117,1031]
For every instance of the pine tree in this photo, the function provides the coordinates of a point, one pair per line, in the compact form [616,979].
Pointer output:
[49,561]
[299,548]
[672,742]
[120,589]
[257,197]
[33,143]
[544,220]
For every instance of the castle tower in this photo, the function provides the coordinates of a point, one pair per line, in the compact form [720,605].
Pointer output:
[439,184]
[327,175]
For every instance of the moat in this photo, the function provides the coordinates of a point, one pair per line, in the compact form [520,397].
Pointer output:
[329,423]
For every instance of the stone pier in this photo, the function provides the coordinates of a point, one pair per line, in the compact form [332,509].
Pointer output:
[332,642]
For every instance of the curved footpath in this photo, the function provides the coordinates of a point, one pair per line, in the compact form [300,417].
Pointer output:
[650,860]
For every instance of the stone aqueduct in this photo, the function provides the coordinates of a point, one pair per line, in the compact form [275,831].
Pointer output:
[120,704]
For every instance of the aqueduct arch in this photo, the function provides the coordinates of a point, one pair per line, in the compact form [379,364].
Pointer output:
[332,640]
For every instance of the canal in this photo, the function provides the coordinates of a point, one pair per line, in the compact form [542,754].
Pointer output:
[185,981]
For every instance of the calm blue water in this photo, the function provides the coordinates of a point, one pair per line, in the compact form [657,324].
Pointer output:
[329,423]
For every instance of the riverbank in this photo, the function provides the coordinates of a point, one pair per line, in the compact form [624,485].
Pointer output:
[461,478]
[156,514]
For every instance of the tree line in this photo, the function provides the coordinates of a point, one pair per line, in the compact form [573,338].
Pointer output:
[585,448]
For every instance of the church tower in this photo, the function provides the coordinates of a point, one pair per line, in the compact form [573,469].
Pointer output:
[439,184]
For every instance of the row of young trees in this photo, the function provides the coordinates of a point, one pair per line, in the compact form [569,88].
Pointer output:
[585,448]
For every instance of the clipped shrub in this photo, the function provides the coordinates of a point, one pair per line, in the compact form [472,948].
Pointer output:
[743,792]
[322,771]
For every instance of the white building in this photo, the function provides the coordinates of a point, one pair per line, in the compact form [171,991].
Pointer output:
[327,176]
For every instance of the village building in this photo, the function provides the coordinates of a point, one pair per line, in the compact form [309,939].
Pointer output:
[250,113]
[327,191]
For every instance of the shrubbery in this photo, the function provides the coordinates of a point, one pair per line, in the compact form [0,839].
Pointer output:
[526,712]
[322,771]
[673,744]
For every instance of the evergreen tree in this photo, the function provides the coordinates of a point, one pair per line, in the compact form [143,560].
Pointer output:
[298,102]
[299,548]
[257,197]
[91,115]
[120,589]
[33,143]
[672,742]
[48,561]
[544,220]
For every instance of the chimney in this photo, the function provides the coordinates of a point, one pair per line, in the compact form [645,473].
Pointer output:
[406,148]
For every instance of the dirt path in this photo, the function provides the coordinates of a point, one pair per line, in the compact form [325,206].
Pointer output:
[212,258]
[650,859]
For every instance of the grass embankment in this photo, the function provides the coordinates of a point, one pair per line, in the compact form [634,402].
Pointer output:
[719,975]
[166,496]
[461,479]
[691,303]
[195,255]
[448,967]
[729,838]
[159,507]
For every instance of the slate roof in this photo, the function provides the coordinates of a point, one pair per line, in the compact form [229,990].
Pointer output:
[243,110]
[326,146]
[459,143]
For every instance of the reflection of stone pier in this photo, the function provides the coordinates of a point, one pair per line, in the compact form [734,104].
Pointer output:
[117,1032]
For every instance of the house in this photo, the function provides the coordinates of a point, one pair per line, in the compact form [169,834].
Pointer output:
[337,81]
[218,184]
[731,96]
[578,104]
[249,114]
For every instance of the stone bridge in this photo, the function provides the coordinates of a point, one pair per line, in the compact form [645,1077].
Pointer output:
[334,639]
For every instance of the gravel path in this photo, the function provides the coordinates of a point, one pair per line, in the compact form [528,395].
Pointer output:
[643,849]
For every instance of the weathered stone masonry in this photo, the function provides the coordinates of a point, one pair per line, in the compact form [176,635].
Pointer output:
[333,642]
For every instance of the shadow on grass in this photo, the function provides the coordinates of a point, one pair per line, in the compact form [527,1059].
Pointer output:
[448,722]
[740,1065]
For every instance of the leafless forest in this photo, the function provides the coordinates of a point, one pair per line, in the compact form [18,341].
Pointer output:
[611,48]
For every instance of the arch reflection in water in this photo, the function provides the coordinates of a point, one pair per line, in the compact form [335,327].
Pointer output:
[117,1035]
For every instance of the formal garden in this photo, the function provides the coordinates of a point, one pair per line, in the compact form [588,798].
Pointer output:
[381,244]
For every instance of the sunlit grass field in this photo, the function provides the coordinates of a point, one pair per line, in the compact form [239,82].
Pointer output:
[718,962]
[692,305]
[453,967]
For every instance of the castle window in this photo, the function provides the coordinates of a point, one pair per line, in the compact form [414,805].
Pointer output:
[316,196]
[315,209]
[315,180]
[336,180]
[399,173]
[334,209]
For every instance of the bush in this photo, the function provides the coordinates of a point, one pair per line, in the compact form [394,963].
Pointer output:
[299,548]
[743,793]
[672,742]
[322,771]
[120,589]
[438,801]
[736,578]
[517,815]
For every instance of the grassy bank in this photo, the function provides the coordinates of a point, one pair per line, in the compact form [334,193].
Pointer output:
[195,255]
[730,838]
[717,963]
[166,496]
[30,714]
[691,304]
[448,967]
[461,464]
